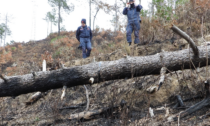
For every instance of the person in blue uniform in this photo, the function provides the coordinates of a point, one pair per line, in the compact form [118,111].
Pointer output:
[133,14]
[84,36]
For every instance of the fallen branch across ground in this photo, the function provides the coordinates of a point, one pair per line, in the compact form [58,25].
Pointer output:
[179,103]
[109,70]
[204,116]
[73,107]
[199,105]
[34,98]
[88,114]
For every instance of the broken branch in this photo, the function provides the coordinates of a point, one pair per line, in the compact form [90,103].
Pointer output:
[88,114]
[162,76]
[3,78]
[199,105]
[187,38]
[87,96]
[34,98]
[63,92]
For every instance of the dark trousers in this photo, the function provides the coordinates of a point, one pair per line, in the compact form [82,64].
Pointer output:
[133,26]
[86,47]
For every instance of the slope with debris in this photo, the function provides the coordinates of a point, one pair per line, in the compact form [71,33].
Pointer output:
[116,102]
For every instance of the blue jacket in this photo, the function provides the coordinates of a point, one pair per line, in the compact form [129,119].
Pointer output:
[133,13]
[84,32]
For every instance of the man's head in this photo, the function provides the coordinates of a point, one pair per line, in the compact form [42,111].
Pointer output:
[131,1]
[83,22]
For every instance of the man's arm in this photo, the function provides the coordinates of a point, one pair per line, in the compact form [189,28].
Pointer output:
[77,34]
[125,11]
[139,7]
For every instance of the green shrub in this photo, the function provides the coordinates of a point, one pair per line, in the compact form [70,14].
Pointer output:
[13,48]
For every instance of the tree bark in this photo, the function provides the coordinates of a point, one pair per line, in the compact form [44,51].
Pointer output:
[102,71]
[187,38]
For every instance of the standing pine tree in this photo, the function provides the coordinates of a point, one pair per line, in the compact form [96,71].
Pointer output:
[6,27]
[2,30]
[50,17]
[59,5]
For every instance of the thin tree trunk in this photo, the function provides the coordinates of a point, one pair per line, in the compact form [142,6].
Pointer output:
[47,27]
[5,33]
[116,21]
[51,27]
[90,13]
[107,70]
[140,2]
[59,18]
[153,8]
[95,18]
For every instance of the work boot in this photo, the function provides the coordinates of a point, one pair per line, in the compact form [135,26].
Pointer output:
[80,47]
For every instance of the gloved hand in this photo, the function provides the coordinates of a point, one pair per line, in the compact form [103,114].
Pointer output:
[128,5]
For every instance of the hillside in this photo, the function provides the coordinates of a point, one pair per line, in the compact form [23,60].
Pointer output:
[50,110]
[124,101]
[23,58]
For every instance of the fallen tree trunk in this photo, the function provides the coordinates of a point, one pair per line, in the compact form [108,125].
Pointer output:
[108,70]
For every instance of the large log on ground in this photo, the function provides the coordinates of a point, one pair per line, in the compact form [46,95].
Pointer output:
[80,75]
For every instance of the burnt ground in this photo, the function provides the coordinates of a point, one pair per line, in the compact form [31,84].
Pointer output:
[51,111]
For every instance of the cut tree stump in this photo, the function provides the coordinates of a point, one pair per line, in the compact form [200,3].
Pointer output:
[109,70]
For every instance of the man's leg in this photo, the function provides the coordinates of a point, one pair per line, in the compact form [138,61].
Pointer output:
[136,32]
[83,44]
[89,47]
[136,37]
[129,31]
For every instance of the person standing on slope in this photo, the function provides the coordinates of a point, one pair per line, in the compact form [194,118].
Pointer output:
[84,36]
[132,11]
